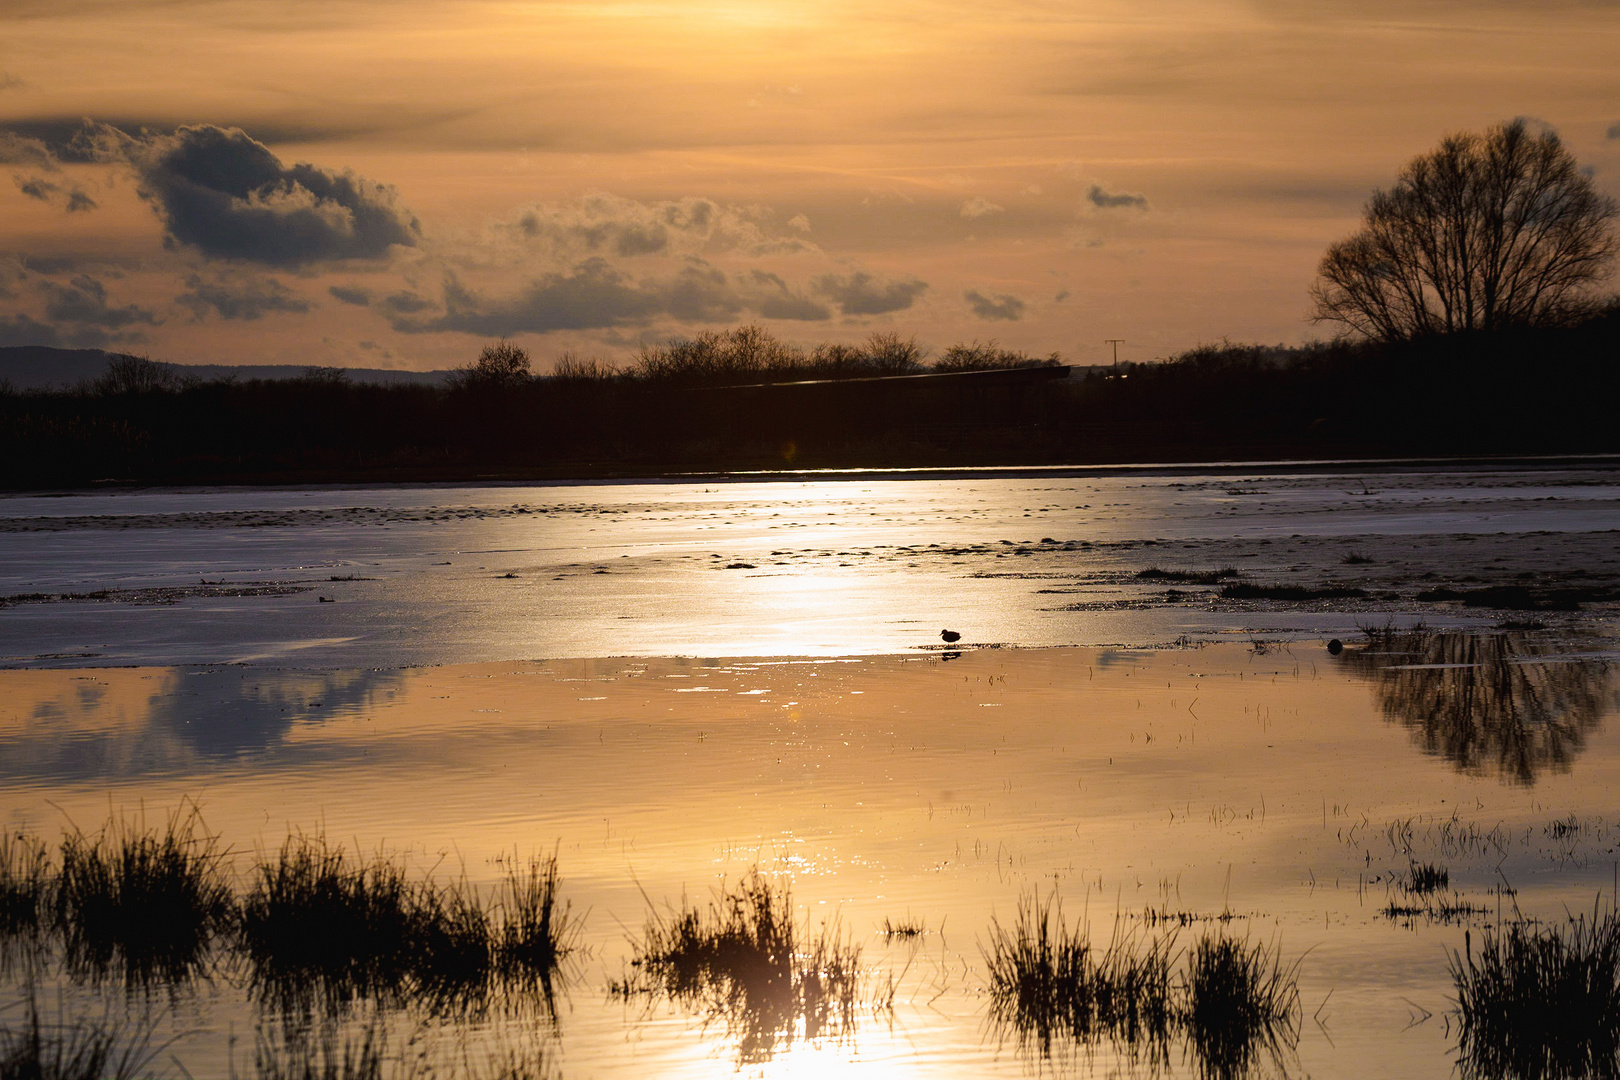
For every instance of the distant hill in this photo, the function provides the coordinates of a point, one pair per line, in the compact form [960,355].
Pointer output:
[39,367]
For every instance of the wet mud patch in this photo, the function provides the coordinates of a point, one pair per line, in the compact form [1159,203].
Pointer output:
[161,595]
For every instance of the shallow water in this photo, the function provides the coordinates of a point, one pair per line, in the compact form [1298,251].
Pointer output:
[429,575]
[1285,787]
[451,702]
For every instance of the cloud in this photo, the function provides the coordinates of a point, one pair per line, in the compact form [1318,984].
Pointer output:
[860,293]
[239,298]
[26,330]
[699,294]
[1107,200]
[592,296]
[595,295]
[226,195]
[78,315]
[406,303]
[16,149]
[351,294]
[601,224]
[83,301]
[979,206]
[776,300]
[37,187]
[76,141]
[999,307]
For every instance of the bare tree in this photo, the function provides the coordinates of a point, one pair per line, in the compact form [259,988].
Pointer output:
[129,374]
[1488,231]
[500,366]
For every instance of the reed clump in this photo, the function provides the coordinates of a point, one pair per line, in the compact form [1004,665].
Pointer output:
[1540,1001]
[154,900]
[745,960]
[320,920]
[1240,1002]
[1230,1001]
[537,928]
[1425,879]
[1047,983]
[25,883]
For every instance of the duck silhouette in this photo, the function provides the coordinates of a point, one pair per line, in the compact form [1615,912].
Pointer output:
[949,637]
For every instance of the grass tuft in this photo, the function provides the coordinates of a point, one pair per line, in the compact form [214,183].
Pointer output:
[1425,879]
[1232,1003]
[1048,983]
[154,901]
[1241,1002]
[536,932]
[319,1056]
[1541,1001]
[744,960]
[908,927]
[322,924]
[25,883]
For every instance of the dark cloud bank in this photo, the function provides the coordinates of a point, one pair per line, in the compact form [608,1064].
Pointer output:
[223,193]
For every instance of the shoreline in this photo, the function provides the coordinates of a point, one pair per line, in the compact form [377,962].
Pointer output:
[610,477]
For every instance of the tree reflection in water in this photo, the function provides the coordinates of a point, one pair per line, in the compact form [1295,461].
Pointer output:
[1506,703]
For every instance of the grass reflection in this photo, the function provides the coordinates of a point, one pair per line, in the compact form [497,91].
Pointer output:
[1506,703]
[318,928]
[745,961]
[149,903]
[1540,1002]
[1232,1005]
[322,927]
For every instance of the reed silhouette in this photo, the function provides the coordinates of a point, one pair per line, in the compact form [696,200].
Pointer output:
[1540,1002]
[745,960]
[1231,1004]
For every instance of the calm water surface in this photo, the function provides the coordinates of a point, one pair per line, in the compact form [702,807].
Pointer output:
[1259,786]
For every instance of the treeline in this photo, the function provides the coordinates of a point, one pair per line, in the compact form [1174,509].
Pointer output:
[741,399]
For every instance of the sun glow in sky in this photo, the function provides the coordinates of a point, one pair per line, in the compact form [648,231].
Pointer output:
[391,185]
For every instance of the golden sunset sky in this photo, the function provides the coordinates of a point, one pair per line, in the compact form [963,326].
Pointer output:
[361,183]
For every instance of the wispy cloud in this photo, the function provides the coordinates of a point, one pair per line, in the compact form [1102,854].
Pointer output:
[978,207]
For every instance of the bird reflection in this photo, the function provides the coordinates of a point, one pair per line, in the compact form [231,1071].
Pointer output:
[1504,703]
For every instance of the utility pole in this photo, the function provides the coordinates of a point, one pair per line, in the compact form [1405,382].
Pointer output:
[1116,342]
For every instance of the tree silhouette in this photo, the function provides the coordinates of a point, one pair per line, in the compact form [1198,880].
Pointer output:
[501,366]
[1487,232]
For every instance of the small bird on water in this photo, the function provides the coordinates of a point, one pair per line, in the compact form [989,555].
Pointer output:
[949,637]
